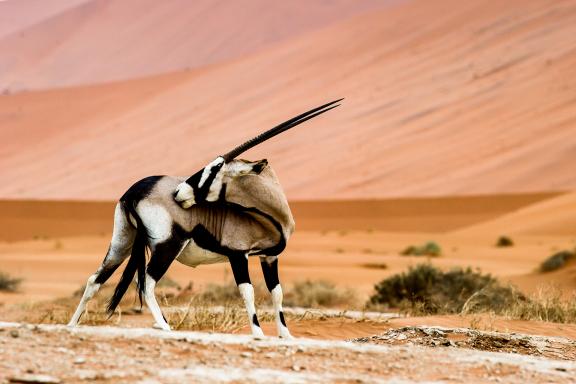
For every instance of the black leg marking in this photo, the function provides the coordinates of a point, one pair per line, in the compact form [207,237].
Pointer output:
[255,320]
[240,269]
[108,267]
[163,255]
[282,318]
[270,273]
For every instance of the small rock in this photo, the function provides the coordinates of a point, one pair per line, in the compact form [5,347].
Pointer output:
[14,333]
[296,368]
[79,360]
[300,349]
[401,337]
[561,369]
[246,354]
[34,379]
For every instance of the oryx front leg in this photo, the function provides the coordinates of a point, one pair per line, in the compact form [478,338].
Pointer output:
[239,265]
[270,270]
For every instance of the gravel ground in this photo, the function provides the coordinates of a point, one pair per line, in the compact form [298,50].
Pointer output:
[57,354]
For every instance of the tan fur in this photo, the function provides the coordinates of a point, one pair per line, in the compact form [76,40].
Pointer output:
[233,228]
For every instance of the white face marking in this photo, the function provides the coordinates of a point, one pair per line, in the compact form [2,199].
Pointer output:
[156,219]
[215,187]
[208,170]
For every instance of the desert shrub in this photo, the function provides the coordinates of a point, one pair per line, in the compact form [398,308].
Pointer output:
[375,266]
[504,241]
[556,261]
[430,248]
[8,283]
[426,289]
[320,293]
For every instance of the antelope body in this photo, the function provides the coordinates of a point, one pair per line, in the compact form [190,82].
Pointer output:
[226,212]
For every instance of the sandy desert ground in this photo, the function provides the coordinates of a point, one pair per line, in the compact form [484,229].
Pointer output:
[457,127]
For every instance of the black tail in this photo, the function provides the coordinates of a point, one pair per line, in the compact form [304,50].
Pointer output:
[136,263]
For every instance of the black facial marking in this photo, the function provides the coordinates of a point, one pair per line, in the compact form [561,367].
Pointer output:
[255,320]
[200,193]
[281,314]
[270,272]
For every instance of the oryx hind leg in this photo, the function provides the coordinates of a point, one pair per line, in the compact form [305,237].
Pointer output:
[162,256]
[270,271]
[122,239]
[239,265]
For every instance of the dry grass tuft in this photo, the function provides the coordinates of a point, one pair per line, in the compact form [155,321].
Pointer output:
[546,305]
[216,308]
[309,294]
[9,283]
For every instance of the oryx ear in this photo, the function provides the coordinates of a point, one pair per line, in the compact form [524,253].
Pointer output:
[259,166]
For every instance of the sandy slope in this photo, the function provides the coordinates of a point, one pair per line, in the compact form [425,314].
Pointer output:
[17,16]
[553,216]
[443,98]
[103,40]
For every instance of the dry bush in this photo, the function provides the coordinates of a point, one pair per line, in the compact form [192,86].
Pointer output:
[309,294]
[375,266]
[556,261]
[430,248]
[8,283]
[424,289]
[504,241]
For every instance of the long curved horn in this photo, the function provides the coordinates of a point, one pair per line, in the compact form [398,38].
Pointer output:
[279,129]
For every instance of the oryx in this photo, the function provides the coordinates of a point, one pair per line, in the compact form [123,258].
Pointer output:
[229,210]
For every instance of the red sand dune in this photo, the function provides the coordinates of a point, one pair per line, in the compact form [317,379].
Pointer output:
[16,16]
[105,40]
[552,217]
[443,98]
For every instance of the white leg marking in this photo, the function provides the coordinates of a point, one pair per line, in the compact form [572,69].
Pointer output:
[89,292]
[152,304]
[247,292]
[277,297]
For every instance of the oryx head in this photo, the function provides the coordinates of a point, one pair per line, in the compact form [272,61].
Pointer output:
[206,184]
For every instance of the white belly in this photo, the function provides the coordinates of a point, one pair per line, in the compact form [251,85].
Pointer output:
[192,255]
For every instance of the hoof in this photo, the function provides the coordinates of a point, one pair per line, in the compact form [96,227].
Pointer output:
[162,327]
[286,336]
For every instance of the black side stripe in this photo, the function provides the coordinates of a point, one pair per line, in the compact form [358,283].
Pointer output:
[206,240]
